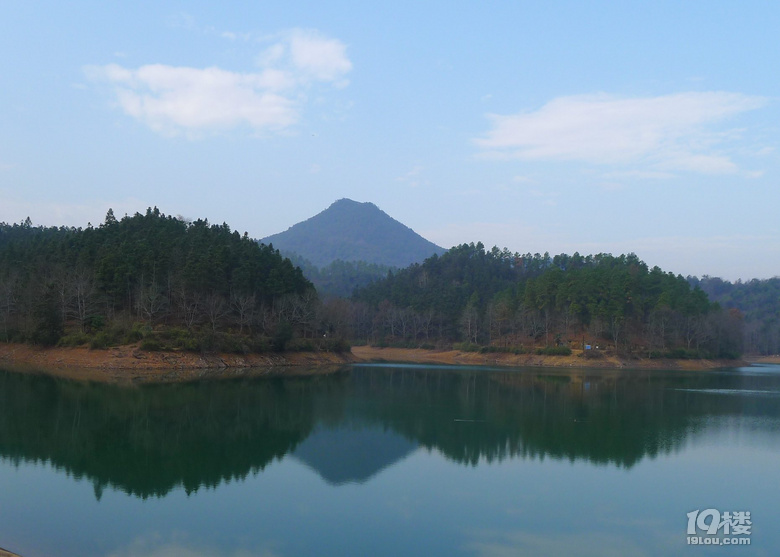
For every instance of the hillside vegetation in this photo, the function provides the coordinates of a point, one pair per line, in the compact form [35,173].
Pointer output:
[502,300]
[758,300]
[150,278]
[172,284]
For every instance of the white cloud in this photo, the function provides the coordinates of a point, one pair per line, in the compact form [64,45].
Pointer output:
[666,133]
[322,58]
[174,99]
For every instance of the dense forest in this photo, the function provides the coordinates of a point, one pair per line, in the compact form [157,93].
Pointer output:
[174,284]
[758,300]
[152,278]
[520,302]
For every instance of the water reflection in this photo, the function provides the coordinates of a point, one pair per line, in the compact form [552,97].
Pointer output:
[348,427]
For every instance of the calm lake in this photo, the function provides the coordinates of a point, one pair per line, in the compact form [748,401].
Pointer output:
[393,460]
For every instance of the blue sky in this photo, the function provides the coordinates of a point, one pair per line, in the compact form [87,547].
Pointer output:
[539,126]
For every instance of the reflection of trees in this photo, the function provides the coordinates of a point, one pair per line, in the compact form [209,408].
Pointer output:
[600,417]
[147,440]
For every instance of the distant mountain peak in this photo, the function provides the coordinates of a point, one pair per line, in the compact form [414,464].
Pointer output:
[354,231]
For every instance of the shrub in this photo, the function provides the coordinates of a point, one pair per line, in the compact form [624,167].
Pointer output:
[74,339]
[260,345]
[101,341]
[151,344]
[284,334]
[300,345]
[137,332]
[466,347]
[682,354]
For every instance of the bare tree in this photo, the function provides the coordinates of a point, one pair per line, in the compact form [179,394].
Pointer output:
[215,307]
[469,322]
[8,299]
[83,297]
[151,303]
[243,306]
[189,305]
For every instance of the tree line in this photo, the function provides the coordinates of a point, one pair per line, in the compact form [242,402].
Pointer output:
[173,283]
[164,280]
[518,301]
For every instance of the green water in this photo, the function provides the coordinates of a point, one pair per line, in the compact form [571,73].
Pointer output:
[389,460]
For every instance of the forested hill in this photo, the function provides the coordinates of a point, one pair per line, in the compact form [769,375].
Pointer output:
[503,299]
[152,269]
[758,300]
[352,231]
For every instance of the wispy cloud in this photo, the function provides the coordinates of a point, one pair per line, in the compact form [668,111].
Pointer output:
[657,134]
[182,20]
[181,546]
[637,174]
[517,543]
[413,177]
[175,99]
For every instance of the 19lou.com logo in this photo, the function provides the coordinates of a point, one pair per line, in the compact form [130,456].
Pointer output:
[734,527]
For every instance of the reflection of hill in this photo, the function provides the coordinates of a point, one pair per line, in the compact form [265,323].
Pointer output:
[150,439]
[352,454]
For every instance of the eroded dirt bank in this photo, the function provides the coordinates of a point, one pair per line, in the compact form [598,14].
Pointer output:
[369,353]
[129,363]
